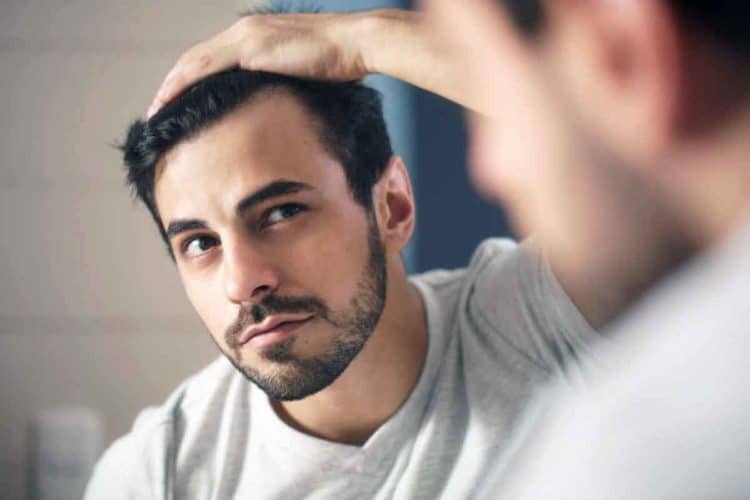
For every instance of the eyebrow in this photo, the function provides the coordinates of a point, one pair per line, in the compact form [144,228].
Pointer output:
[271,190]
[181,225]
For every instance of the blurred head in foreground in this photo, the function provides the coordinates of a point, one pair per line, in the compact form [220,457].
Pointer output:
[285,211]
[618,131]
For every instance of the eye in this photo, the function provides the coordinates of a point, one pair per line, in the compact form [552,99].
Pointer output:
[198,245]
[280,213]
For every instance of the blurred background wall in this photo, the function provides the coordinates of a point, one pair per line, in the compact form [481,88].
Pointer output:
[92,314]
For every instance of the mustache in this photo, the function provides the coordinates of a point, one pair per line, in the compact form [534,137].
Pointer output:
[273,304]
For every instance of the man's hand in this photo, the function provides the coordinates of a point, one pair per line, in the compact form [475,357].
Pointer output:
[336,47]
[318,46]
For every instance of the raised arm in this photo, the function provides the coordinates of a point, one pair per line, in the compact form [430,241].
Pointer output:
[340,47]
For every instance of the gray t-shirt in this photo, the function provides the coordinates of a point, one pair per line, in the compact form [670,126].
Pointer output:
[497,331]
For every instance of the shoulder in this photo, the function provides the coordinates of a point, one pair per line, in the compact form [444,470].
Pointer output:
[449,283]
[193,396]
[510,297]
[118,474]
[139,461]
[449,288]
[501,271]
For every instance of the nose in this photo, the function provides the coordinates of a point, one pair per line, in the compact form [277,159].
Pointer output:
[249,272]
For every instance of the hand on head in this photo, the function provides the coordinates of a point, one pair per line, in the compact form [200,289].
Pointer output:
[316,46]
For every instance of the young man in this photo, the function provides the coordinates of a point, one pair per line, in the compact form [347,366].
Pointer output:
[619,135]
[285,211]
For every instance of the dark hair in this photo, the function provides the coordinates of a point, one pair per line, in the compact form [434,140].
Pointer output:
[725,21]
[527,15]
[348,118]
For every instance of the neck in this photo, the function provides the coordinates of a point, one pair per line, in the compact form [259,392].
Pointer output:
[379,379]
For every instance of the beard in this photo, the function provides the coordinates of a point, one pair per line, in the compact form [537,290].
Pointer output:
[293,377]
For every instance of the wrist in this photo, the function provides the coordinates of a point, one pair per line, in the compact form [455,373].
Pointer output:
[374,32]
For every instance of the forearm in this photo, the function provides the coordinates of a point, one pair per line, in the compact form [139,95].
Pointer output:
[398,43]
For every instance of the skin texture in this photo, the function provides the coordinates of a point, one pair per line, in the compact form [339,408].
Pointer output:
[292,376]
[331,261]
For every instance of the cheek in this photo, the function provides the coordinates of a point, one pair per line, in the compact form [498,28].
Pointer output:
[327,263]
[206,294]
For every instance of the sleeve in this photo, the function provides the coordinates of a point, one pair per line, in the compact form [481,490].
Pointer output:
[119,474]
[514,294]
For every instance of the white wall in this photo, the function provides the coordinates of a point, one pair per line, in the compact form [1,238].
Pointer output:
[91,311]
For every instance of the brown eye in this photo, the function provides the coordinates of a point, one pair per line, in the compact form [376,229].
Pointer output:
[197,246]
[281,213]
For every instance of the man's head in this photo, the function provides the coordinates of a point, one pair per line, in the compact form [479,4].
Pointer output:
[284,209]
[615,128]
[347,117]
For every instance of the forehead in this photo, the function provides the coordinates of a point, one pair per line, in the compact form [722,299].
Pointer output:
[269,138]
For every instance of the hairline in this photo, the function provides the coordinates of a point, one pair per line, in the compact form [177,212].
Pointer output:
[313,121]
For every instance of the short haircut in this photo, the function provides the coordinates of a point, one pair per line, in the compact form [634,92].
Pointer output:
[723,21]
[347,117]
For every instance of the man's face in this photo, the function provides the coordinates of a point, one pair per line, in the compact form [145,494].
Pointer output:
[285,269]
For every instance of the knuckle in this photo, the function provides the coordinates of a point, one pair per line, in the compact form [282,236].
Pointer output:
[177,79]
[246,24]
[185,58]
[194,59]
[246,55]
[202,61]
[246,60]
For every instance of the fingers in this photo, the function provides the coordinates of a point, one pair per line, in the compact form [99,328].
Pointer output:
[194,65]
[305,45]
[188,70]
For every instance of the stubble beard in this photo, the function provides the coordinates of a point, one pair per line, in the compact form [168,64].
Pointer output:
[292,377]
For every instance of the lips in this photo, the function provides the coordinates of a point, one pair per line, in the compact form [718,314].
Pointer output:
[273,324]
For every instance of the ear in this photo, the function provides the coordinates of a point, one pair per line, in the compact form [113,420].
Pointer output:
[393,202]
[619,63]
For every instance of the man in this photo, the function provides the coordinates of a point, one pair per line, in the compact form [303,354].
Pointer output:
[285,211]
[619,137]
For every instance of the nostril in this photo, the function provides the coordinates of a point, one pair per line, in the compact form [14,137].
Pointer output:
[261,290]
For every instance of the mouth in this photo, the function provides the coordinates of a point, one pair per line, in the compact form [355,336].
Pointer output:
[272,330]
